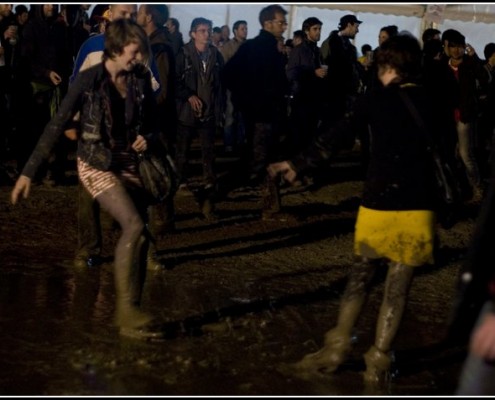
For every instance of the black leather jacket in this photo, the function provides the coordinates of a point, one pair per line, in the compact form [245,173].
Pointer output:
[89,95]
[191,80]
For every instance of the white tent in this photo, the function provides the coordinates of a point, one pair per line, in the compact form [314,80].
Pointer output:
[473,20]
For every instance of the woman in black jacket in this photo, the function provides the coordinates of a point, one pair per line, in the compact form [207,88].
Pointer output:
[396,218]
[118,119]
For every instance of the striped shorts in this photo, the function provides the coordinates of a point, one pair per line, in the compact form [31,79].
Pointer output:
[123,170]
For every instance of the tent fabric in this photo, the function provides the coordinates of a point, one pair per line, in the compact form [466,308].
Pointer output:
[472,20]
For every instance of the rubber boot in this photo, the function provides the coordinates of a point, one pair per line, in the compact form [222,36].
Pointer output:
[378,357]
[270,194]
[338,341]
[207,202]
[162,218]
[153,263]
[377,367]
[129,284]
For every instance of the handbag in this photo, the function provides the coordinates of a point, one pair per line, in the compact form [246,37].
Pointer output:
[449,193]
[158,175]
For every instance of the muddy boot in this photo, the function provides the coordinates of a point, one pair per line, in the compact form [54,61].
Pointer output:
[153,263]
[377,367]
[133,322]
[329,357]
[270,194]
[128,285]
[207,202]
[378,358]
[338,341]
[128,315]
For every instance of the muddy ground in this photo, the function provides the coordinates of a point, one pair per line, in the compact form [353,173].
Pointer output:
[242,298]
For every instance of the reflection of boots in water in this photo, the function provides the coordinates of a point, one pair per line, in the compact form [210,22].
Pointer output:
[339,339]
[378,358]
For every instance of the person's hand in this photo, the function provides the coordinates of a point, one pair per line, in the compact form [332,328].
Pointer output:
[282,168]
[470,51]
[196,104]
[140,144]
[71,134]
[55,78]
[322,71]
[10,32]
[482,341]
[22,187]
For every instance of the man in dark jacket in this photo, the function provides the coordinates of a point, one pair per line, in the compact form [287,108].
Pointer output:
[200,106]
[256,77]
[305,73]
[152,17]
[343,79]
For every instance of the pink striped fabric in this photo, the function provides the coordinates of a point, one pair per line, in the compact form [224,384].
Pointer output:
[122,170]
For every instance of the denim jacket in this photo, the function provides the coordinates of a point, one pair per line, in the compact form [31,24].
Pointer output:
[89,95]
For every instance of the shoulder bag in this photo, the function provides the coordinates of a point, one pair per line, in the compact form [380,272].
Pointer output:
[449,190]
[158,175]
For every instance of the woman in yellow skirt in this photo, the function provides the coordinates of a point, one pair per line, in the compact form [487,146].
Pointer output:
[396,219]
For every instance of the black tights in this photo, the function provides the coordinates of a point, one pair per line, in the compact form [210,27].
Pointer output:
[132,246]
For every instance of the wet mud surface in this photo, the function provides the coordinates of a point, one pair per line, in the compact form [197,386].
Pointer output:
[242,299]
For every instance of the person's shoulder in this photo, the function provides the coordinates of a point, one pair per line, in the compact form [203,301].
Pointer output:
[94,43]
[86,77]
[228,46]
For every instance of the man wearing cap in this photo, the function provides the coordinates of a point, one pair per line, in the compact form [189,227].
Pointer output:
[343,80]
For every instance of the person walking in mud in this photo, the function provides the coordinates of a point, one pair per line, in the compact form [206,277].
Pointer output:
[118,119]
[396,218]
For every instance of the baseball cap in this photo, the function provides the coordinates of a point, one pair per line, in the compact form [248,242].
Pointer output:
[104,17]
[348,19]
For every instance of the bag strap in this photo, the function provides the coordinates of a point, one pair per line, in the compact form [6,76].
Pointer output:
[450,193]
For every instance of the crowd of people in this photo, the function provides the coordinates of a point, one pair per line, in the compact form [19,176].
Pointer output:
[124,80]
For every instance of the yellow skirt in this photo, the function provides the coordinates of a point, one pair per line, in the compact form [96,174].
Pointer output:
[405,237]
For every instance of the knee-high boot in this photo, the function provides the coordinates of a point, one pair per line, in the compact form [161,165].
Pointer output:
[270,194]
[129,284]
[378,358]
[338,340]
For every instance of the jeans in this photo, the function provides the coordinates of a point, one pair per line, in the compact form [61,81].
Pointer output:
[264,144]
[185,135]
[233,133]
[477,375]
[466,142]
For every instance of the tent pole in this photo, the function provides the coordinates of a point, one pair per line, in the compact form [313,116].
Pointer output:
[291,18]
[227,16]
